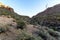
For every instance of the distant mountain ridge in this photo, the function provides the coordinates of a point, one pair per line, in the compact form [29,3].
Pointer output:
[50,10]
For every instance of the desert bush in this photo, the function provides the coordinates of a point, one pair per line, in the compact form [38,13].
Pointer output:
[26,36]
[20,25]
[53,33]
[3,28]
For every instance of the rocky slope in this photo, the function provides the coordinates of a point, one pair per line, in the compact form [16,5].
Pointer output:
[49,17]
[18,27]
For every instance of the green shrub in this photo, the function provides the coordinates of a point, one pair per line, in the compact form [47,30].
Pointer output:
[20,25]
[26,36]
[53,33]
[2,30]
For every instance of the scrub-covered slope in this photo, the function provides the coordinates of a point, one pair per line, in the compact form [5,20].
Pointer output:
[18,27]
[49,17]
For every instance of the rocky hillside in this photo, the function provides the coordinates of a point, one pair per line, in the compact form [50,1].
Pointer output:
[8,11]
[18,27]
[49,17]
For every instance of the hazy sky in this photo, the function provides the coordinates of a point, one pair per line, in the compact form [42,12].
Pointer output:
[29,7]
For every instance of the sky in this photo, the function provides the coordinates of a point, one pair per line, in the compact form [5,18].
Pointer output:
[30,7]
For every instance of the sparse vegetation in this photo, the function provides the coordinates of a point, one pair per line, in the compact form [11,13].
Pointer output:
[44,26]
